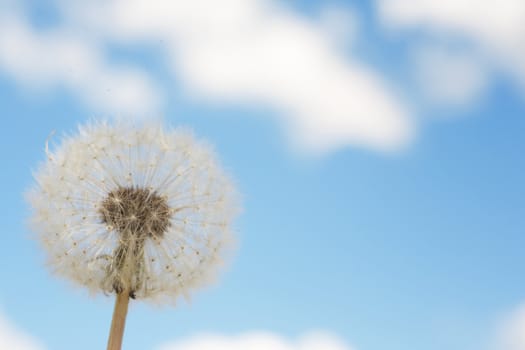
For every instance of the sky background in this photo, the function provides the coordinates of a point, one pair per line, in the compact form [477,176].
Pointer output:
[379,147]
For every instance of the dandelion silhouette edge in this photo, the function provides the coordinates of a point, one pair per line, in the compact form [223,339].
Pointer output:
[134,207]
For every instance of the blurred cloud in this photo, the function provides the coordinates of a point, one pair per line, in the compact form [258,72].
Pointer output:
[13,338]
[485,21]
[511,334]
[258,341]
[340,23]
[449,77]
[62,58]
[492,30]
[233,51]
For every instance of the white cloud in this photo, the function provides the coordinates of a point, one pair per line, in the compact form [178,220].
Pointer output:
[284,62]
[340,23]
[449,77]
[232,51]
[494,29]
[484,20]
[13,338]
[63,58]
[511,334]
[258,341]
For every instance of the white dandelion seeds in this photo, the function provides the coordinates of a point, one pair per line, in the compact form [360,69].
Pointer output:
[138,211]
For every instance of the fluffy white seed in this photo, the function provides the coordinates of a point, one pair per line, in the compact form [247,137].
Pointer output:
[171,243]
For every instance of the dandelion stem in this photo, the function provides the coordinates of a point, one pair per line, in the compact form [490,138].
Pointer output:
[119,321]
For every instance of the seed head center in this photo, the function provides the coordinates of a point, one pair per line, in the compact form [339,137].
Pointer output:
[136,211]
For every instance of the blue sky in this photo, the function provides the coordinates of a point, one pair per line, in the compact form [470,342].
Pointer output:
[378,147]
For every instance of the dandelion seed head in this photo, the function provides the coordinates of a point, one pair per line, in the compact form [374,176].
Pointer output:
[137,208]
[136,211]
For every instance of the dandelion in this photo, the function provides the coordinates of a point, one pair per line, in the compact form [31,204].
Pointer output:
[136,211]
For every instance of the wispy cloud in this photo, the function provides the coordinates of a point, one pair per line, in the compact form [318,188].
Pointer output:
[258,341]
[449,77]
[482,35]
[13,338]
[485,21]
[233,51]
[511,335]
[63,58]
